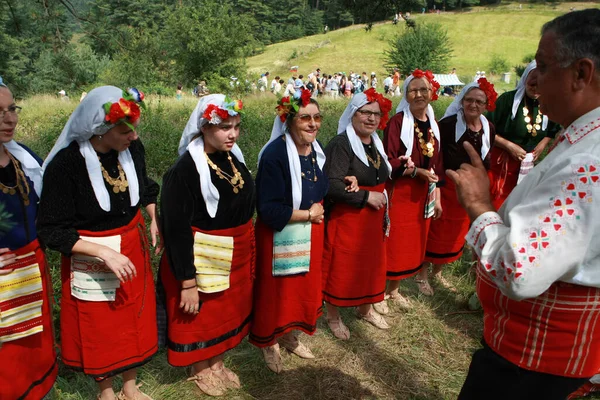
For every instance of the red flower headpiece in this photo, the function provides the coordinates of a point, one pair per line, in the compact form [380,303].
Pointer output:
[215,114]
[285,104]
[385,105]
[125,110]
[490,92]
[435,86]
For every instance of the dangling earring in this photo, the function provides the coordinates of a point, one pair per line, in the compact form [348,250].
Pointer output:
[100,137]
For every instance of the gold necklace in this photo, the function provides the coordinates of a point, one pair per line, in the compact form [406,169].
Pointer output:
[375,164]
[119,184]
[314,169]
[532,128]
[236,181]
[427,148]
[21,185]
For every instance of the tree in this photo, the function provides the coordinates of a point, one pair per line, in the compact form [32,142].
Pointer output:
[426,47]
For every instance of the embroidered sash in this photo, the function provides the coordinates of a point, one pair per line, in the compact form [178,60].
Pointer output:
[91,279]
[291,249]
[21,299]
[430,202]
[212,258]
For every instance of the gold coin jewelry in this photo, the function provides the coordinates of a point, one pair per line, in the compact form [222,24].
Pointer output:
[377,163]
[21,185]
[532,128]
[119,184]
[314,169]
[426,147]
[236,181]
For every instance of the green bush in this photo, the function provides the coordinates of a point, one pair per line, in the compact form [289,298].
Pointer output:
[498,65]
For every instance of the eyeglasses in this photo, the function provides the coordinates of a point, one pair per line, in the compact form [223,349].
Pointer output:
[469,100]
[422,90]
[13,110]
[369,114]
[306,118]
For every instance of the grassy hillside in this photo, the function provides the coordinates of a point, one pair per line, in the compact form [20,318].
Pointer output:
[475,37]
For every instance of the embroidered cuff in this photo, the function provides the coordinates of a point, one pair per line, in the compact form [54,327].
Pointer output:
[478,226]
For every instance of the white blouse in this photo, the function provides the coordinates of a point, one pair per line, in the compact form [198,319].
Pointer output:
[548,229]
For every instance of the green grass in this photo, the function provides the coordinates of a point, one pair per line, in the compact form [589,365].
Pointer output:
[475,36]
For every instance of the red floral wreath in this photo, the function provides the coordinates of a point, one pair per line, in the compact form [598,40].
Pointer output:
[285,104]
[126,110]
[490,92]
[435,86]
[385,105]
[214,114]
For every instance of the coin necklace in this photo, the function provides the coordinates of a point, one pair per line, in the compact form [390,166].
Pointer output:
[21,185]
[377,163]
[426,147]
[236,181]
[532,128]
[314,169]
[119,184]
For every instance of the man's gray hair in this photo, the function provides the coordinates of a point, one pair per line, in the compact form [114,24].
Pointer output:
[577,36]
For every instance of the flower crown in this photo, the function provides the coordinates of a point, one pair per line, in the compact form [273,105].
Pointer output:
[300,99]
[215,114]
[126,110]
[490,92]
[385,105]
[417,73]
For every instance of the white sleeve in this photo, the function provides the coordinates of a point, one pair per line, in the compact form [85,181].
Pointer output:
[553,234]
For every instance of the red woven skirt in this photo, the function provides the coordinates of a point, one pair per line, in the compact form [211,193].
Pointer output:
[503,174]
[28,365]
[555,333]
[446,237]
[224,317]
[409,230]
[103,338]
[354,258]
[285,303]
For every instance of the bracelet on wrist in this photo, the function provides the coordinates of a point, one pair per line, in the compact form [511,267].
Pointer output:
[189,287]
[309,215]
[414,172]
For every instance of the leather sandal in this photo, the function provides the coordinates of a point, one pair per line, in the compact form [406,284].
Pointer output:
[138,396]
[228,377]
[297,347]
[402,301]
[424,287]
[338,328]
[209,384]
[382,307]
[273,358]
[374,319]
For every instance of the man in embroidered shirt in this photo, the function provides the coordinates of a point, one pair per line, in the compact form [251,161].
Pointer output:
[539,275]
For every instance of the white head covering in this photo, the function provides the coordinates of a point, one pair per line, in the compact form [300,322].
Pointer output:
[521,93]
[210,194]
[280,128]
[86,121]
[30,166]
[456,108]
[345,125]
[408,121]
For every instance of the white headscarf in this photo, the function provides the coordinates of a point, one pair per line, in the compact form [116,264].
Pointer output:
[521,93]
[30,165]
[407,135]
[210,194]
[86,121]
[345,125]
[279,128]
[456,108]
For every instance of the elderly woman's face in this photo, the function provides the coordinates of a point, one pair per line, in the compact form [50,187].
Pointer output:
[531,84]
[474,103]
[119,138]
[9,122]
[223,136]
[418,94]
[366,119]
[305,125]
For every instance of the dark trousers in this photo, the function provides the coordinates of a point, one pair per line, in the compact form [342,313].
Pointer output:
[492,377]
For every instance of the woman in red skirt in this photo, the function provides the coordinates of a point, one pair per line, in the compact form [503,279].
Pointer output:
[462,122]
[289,231]
[207,205]
[412,132]
[95,182]
[28,368]
[354,260]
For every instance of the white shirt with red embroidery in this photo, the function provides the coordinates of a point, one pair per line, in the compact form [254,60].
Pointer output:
[548,229]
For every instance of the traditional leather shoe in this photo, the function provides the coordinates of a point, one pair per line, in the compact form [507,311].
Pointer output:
[402,301]
[228,377]
[209,384]
[296,347]
[273,358]
[338,328]
[382,307]
[424,287]
[138,396]
[374,319]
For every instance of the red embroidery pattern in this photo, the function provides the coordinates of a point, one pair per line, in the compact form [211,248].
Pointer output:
[576,133]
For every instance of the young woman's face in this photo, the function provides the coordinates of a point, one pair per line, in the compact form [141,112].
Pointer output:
[9,122]
[119,137]
[223,136]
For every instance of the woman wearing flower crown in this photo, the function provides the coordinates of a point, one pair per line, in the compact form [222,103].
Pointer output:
[207,204]
[521,129]
[29,365]
[95,182]
[289,231]
[414,199]
[462,122]
[354,266]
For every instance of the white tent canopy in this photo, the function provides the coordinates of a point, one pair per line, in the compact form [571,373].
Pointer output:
[448,80]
